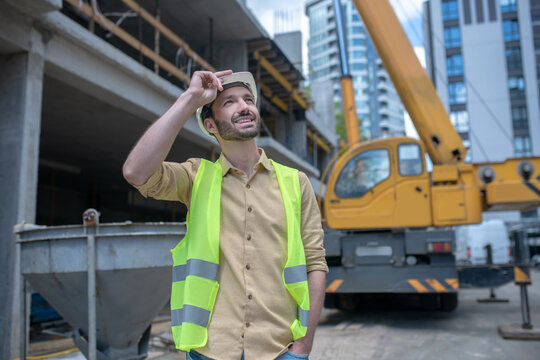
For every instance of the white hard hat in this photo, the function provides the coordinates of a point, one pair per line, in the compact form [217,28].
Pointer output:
[235,79]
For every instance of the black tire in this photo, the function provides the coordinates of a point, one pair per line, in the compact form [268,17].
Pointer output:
[348,302]
[430,301]
[449,302]
[331,301]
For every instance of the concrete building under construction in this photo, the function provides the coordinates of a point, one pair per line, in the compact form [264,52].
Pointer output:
[81,80]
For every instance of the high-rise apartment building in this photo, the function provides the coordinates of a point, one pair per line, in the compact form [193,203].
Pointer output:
[484,59]
[377,102]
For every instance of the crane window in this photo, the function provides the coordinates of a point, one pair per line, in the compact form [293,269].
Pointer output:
[410,160]
[362,173]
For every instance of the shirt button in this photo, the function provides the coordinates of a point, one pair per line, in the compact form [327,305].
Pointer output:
[248,186]
[247,324]
[249,237]
[248,266]
[249,209]
[250,297]
[242,336]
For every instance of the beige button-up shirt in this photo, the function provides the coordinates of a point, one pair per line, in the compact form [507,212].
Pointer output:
[253,310]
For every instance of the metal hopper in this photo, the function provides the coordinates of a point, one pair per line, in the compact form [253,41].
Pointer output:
[108,281]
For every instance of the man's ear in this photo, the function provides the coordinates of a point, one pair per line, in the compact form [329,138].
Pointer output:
[210,125]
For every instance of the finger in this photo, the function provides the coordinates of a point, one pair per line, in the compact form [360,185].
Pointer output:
[219,85]
[223,73]
[216,82]
[209,80]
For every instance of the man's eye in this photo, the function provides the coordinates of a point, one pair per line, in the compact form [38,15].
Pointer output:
[227,102]
[249,100]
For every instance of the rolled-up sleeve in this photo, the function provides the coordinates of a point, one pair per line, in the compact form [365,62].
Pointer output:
[312,232]
[171,181]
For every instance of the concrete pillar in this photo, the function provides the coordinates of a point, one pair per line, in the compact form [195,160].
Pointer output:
[231,55]
[299,136]
[281,128]
[21,86]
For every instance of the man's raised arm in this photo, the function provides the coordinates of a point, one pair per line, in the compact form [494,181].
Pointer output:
[155,144]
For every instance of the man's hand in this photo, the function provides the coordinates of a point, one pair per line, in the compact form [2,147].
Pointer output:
[154,145]
[301,347]
[204,86]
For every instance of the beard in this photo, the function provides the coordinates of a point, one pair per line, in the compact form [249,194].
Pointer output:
[228,131]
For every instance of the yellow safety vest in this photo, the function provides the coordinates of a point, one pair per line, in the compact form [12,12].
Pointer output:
[196,257]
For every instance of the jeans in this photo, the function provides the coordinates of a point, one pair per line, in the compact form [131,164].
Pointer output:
[192,355]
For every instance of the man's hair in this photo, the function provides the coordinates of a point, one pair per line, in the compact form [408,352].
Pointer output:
[207,111]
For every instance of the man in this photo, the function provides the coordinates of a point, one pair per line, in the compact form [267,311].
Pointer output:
[240,289]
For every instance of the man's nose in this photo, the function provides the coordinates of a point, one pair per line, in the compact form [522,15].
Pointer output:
[243,105]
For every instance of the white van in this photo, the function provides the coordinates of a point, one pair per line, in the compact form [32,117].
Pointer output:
[471,241]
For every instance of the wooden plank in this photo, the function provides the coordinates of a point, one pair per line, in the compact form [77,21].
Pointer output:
[165,31]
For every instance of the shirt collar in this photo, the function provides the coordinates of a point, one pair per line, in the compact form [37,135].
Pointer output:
[263,161]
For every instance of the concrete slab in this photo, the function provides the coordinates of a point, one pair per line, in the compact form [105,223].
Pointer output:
[36,7]
[517,332]
[398,331]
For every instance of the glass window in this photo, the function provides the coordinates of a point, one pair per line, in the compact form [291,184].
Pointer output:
[410,160]
[467,12]
[479,11]
[492,9]
[357,42]
[321,73]
[467,144]
[452,37]
[323,60]
[460,120]
[529,214]
[319,49]
[457,93]
[513,59]
[522,146]
[516,86]
[454,65]
[317,38]
[450,10]
[355,17]
[358,54]
[510,30]
[357,30]
[358,66]
[508,5]
[362,173]
[519,118]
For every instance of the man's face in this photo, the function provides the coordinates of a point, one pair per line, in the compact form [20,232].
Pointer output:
[235,114]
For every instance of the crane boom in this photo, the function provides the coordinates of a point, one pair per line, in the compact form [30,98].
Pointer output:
[347,89]
[443,143]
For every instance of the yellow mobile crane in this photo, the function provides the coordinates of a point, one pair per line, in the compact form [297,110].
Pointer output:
[388,219]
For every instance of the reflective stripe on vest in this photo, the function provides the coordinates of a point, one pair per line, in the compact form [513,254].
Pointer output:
[195,267]
[295,274]
[190,314]
[195,262]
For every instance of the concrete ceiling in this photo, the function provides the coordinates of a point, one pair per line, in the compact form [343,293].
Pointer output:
[7,47]
[80,131]
[232,20]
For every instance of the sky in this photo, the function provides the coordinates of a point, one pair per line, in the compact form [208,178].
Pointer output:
[289,15]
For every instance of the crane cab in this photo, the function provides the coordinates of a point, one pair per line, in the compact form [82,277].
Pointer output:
[380,184]
[385,184]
